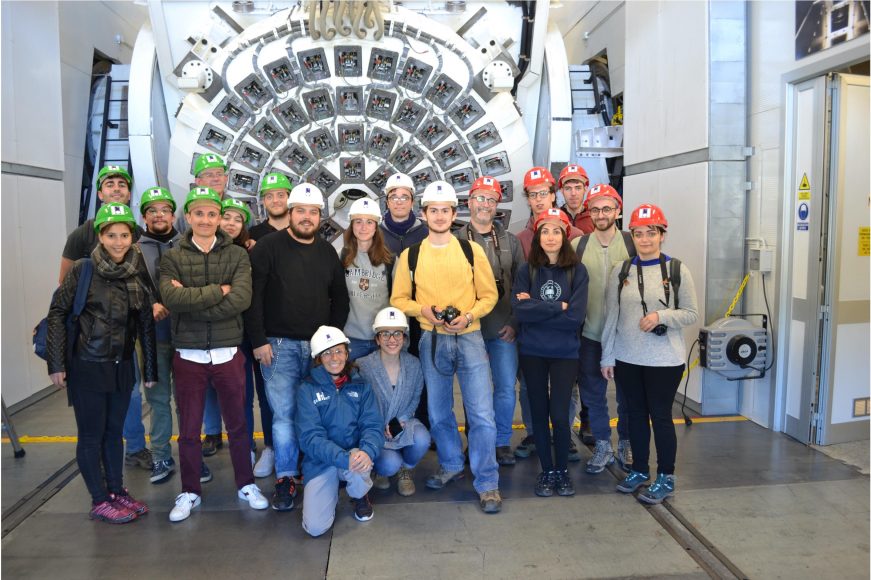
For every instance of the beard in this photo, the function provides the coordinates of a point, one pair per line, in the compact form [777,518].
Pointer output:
[598,226]
[280,213]
[300,234]
[160,228]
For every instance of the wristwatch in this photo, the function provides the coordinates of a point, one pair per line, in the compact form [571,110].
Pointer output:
[469,318]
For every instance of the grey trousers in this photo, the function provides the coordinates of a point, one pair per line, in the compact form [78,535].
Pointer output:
[322,494]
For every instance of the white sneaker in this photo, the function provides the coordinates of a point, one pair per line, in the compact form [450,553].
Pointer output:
[184,503]
[251,493]
[265,464]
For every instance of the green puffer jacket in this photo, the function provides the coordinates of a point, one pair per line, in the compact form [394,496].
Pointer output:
[202,317]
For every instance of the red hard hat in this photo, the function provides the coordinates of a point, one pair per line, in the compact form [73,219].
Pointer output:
[570,172]
[538,176]
[600,191]
[647,214]
[553,215]
[489,184]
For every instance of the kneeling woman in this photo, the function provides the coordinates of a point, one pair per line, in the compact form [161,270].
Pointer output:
[340,431]
[100,372]
[550,304]
[397,380]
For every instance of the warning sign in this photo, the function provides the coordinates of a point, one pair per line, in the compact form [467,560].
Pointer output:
[804,188]
[864,241]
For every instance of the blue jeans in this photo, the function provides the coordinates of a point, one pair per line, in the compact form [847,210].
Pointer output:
[291,360]
[212,413]
[466,356]
[389,461]
[134,429]
[360,348]
[254,382]
[159,397]
[503,368]
[594,390]
[526,413]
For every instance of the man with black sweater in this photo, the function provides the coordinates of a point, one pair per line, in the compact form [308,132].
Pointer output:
[274,190]
[298,286]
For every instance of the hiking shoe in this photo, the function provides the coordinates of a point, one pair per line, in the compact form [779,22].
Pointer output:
[285,491]
[603,456]
[544,484]
[205,473]
[363,511]
[586,434]
[141,458]
[526,447]
[633,481]
[405,482]
[624,455]
[491,501]
[161,470]
[504,455]
[662,488]
[211,444]
[184,503]
[381,482]
[124,499]
[562,483]
[266,463]
[252,494]
[574,454]
[111,512]
[442,478]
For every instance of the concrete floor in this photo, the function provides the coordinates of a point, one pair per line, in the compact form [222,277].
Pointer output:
[760,503]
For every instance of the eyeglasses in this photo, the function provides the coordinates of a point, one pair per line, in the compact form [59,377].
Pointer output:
[399,198]
[395,334]
[604,211]
[336,352]
[538,194]
[486,200]
[649,234]
[153,211]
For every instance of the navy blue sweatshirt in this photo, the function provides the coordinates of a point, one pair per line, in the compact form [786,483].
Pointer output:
[546,330]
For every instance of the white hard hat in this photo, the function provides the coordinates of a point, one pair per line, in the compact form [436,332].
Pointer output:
[365,207]
[439,192]
[398,180]
[390,317]
[305,194]
[326,337]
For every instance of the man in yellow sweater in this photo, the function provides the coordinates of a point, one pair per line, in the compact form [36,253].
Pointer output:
[449,273]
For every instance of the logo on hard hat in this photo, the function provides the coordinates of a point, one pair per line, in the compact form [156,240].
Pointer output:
[211,158]
[116,168]
[644,212]
[391,315]
[488,181]
[596,189]
[554,212]
[328,337]
[272,179]
[535,174]
[154,191]
[117,210]
[572,169]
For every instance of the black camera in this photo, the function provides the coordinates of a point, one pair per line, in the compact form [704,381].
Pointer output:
[447,315]
[500,288]
[659,330]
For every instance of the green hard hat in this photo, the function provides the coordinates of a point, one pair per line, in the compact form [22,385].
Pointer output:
[274,181]
[234,204]
[207,161]
[205,193]
[153,194]
[113,213]
[111,170]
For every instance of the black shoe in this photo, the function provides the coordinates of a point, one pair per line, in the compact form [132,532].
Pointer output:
[545,483]
[211,444]
[285,491]
[563,483]
[574,455]
[161,470]
[526,447]
[205,474]
[586,435]
[363,511]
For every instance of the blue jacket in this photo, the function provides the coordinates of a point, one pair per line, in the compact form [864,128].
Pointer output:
[331,421]
[546,330]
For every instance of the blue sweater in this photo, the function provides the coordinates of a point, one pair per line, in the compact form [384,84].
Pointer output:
[546,330]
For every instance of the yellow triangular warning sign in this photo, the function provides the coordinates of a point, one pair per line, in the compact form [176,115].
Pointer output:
[805,184]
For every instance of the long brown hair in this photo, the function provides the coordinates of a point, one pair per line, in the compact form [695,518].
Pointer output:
[378,252]
[243,237]
[538,258]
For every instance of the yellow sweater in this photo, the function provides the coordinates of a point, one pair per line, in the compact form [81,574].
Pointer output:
[444,277]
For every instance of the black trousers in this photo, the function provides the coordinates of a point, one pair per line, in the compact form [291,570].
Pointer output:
[550,404]
[100,448]
[649,393]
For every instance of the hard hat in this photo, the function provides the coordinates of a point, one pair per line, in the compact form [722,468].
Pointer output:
[231,204]
[365,207]
[207,161]
[111,171]
[274,181]
[553,215]
[487,183]
[439,192]
[398,180]
[600,191]
[326,337]
[570,172]
[648,214]
[202,193]
[538,176]
[154,194]
[390,317]
[112,213]
[305,194]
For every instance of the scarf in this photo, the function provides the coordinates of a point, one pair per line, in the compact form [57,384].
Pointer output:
[128,270]
[399,228]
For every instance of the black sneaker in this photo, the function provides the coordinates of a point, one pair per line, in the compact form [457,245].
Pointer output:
[211,444]
[141,458]
[285,491]
[563,483]
[545,483]
[161,470]
[526,447]
[363,511]
[586,435]
[205,474]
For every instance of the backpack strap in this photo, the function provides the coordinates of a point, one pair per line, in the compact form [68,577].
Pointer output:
[413,255]
[582,246]
[621,277]
[674,276]
[467,251]
[630,245]
[84,283]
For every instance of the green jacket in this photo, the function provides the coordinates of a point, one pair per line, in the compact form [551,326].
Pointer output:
[202,317]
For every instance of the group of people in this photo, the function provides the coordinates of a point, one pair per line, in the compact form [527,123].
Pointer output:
[353,355]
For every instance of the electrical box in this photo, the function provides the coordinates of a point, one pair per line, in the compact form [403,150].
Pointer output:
[760,260]
[734,348]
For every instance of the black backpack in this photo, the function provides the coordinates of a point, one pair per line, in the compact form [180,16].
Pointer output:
[40,332]
[627,240]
